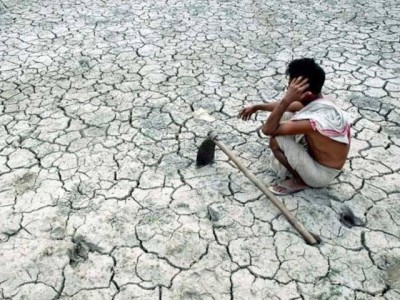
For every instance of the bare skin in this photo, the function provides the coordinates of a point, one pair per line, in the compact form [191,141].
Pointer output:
[246,113]
[322,149]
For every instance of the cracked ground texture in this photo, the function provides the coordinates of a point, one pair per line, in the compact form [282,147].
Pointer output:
[103,105]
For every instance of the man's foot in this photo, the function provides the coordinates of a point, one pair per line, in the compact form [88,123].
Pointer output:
[288,187]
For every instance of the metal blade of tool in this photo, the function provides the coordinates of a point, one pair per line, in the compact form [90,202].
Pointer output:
[206,153]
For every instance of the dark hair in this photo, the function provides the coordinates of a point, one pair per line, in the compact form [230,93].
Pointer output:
[308,68]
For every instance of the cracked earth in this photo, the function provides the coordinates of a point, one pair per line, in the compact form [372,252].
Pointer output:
[103,105]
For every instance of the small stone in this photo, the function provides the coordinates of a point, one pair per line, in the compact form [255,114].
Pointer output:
[215,214]
[57,233]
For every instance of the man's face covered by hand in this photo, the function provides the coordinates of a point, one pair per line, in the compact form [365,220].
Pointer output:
[308,96]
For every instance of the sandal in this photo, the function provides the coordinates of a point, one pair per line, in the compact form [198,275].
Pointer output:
[283,189]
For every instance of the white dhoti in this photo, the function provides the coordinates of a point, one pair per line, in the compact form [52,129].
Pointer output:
[294,148]
[312,173]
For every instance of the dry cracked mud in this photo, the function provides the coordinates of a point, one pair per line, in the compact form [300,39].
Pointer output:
[103,105]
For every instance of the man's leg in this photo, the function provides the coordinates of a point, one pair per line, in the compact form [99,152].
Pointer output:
[295,184]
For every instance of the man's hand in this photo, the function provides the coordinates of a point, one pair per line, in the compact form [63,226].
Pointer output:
[297,90]
[246,113]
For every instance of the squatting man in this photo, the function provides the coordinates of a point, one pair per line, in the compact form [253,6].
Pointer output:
[309,134]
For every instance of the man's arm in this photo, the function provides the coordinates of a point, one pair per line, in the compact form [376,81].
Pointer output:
[293,107]
[246,112]
[290,128]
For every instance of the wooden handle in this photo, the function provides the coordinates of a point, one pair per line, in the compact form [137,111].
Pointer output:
[263,187]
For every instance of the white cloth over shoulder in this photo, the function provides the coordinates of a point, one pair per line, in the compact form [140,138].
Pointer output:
[327,118]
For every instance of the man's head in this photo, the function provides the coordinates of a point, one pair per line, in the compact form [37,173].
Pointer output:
[307,68]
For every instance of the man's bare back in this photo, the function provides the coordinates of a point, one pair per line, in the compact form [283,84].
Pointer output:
[326,151]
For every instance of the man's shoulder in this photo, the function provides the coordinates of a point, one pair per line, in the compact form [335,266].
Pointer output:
[322,105]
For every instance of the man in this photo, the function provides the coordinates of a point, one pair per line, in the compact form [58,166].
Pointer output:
[320,124]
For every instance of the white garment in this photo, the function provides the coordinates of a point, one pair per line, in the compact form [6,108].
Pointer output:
[312,173]
[327,118]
